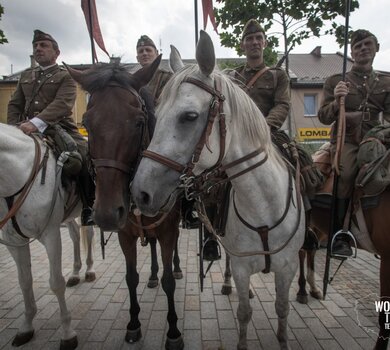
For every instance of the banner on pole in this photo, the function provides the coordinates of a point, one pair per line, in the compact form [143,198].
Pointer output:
[208,12]
[90,14]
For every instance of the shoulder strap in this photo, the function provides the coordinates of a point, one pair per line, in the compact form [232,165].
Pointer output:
[250,83]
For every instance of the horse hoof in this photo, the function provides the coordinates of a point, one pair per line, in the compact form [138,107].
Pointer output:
[251,295]
[177,275]
[153,283]
[73,281]
[90,276]
[302,299]
[132,336]
[316,295]
[22,338]
[226,290]
[69,344]
[174,344]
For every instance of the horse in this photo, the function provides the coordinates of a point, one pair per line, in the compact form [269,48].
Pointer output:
[116,120]
[378,222]
[206,124]
[81,236]
[30,177]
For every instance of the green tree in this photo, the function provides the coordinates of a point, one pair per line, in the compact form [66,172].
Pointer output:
[292,20]
[3,39]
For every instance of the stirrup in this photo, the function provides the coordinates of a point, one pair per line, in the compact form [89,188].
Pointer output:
[352,243]
[213,250]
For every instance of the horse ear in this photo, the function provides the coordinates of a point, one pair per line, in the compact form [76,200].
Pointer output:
[145,74]
[175,59]
[205,55]
[77,75]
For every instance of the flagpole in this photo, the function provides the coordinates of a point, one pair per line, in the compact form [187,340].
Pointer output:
[196,21]
[91,32]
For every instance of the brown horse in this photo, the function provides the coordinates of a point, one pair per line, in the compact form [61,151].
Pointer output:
[378,223]
[118,130]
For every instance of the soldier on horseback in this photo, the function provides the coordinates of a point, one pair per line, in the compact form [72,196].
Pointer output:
[366,97]
[43,102]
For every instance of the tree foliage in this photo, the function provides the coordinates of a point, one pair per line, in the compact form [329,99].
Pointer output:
[3,39]
[292,20]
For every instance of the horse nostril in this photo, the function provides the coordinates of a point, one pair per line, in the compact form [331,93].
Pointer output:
[145,198]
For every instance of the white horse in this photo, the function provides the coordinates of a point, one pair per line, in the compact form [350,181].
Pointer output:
[39,216]
[264,196]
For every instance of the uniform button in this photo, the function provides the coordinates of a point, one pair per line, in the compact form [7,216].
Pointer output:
[36,102]
[39,81]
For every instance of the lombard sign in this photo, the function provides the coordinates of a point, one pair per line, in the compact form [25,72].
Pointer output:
[306,134]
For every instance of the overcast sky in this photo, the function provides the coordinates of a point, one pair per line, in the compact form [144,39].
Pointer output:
[165,21]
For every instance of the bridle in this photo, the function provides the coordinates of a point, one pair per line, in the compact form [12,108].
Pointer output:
[128,169]
[191,183]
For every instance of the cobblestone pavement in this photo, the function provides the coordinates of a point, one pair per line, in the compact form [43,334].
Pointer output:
[207,320]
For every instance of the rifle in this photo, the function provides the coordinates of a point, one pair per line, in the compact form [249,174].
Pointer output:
[336,162]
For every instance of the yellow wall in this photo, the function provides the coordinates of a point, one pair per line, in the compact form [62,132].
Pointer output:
[6,91]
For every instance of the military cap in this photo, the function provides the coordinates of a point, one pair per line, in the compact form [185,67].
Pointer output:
[252,26]
[144,40]
[361,34]
[39,35]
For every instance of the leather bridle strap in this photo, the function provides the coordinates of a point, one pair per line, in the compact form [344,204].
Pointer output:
[164,160]
[111,163]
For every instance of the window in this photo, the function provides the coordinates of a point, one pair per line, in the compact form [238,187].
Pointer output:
[310,104]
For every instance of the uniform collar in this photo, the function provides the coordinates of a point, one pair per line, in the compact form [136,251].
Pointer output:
[254,69]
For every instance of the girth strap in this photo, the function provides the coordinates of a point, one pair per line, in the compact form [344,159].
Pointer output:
[263,233]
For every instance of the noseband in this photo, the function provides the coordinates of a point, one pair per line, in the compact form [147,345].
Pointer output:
[112,163]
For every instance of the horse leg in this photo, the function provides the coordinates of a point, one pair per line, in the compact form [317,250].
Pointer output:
[283,281]
[244,309]
[227,283]
[129,249]
[87,234]
[384,318]
[302,294]
[314,290]
[22,259]
[52,242]
[174,339]
[153,279]
[177,273]
[74,233]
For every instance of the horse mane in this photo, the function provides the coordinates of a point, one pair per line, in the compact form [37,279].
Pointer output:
[101,74]
[252,124]
[11,136]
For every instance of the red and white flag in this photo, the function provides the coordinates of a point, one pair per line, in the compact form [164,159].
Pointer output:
[90,14]
[208,11]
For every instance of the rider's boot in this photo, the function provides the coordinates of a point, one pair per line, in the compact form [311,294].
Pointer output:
[211,248]
[87,196]
[341,245]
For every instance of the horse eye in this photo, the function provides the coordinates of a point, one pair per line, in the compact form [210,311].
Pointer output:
[191,116]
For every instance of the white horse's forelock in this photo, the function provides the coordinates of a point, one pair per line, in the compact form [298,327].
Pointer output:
[251,124]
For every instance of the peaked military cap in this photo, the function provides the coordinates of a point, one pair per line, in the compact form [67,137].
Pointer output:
[361,34]
[144,40]
[39,35]
[252,26]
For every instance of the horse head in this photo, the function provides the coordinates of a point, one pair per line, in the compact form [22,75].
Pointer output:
[182,117]
[116,122]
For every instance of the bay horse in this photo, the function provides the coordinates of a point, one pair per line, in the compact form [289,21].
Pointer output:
[38,210]
[207,122]
[378,223]
[116,120]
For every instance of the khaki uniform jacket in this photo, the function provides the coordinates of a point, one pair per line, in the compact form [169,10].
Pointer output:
[53,103]
[156,85]
[270,92]
[378,86]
